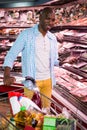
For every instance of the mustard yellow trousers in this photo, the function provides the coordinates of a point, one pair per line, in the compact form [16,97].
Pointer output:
[45,87]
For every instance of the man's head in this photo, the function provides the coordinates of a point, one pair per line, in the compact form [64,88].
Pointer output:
[47,19]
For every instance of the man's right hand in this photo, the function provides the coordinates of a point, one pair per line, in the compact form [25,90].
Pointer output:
[9,80]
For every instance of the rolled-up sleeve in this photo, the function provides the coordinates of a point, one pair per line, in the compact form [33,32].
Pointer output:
[17,47]
[56,63]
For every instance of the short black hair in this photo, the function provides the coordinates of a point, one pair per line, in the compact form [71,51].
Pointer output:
[46,10]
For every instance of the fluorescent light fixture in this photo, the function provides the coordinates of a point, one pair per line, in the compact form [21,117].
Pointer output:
[21,3]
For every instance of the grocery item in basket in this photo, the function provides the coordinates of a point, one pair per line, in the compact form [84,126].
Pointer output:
[49,122]
[18,100]
[37,99]
[31,118]
[65,124]
[15,104]
[64,121]
[29,128]
[21,117]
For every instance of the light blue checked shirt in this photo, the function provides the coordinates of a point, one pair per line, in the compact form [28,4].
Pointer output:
[25,43]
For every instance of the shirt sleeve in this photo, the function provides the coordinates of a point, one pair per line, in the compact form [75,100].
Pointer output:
[17,47]
[56,54]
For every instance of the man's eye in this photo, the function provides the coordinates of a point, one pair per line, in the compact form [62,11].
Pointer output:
[50,19]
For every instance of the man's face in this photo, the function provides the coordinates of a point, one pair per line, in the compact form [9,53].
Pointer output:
[47,21]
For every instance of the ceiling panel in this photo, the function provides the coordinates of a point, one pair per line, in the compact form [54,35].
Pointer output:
[21,3]
[30,3]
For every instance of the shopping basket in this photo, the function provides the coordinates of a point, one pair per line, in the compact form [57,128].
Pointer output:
[5,108]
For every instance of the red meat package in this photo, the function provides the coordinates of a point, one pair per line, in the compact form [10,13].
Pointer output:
[37,99]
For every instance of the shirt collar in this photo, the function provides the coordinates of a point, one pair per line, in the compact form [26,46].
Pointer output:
[36,31]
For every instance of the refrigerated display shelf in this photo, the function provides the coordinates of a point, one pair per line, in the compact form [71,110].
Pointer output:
[82,106]
[75,71]
[73,104]
[75,39]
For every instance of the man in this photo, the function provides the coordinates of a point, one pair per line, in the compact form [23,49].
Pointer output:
[39,55]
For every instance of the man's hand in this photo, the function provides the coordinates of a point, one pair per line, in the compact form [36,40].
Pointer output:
[59,36]
[8,80]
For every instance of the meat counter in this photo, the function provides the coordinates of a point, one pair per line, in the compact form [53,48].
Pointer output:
[77,108]
[71,76]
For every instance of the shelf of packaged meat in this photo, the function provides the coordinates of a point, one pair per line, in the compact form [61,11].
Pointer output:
[12,37]
[77,108]
[71,75]
[76,70]
[71,27]
[73,51]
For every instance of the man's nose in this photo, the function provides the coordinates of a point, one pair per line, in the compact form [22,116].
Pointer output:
[51,22]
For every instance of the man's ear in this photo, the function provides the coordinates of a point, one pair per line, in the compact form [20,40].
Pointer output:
[40,16]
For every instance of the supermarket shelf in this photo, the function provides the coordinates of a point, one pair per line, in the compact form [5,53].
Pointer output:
[68,103]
